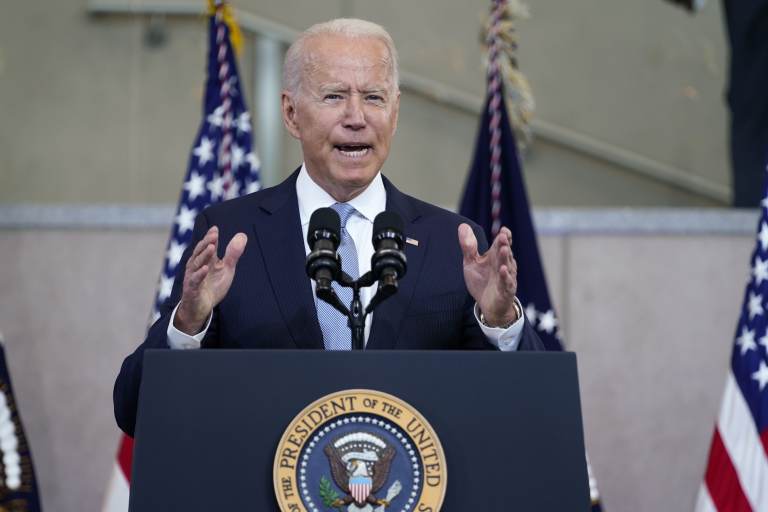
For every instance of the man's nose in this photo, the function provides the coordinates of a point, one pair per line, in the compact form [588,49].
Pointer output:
[354,116]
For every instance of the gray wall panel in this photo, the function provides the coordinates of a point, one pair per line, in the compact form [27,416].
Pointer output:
[72,304]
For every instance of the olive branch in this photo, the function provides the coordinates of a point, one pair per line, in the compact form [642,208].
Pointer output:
[327,493]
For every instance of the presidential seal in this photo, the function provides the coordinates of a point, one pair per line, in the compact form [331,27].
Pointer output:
[359,451]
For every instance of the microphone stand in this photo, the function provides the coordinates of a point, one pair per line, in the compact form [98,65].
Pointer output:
[355,313]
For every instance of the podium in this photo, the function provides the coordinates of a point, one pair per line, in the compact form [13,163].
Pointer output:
[210,421]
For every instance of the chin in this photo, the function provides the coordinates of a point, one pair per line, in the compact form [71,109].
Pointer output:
[357,177]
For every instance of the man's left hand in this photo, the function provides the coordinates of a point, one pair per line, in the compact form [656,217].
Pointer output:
[491,278]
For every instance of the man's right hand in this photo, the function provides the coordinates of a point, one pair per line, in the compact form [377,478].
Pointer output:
[207,280]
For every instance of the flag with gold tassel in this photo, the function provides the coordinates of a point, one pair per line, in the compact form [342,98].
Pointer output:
[222,165]
[495,194]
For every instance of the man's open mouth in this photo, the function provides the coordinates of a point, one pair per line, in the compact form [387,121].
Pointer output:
[353,150]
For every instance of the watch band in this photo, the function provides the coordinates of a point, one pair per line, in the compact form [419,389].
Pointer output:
[518,311]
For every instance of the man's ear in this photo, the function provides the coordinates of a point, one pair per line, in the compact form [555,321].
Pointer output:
[288,107]
[395,112]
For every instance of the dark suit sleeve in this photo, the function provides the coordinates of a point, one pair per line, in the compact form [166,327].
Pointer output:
[474,336]
[529,340]
[126,391]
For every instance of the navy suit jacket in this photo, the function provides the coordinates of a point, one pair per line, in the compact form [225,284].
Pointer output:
[270,303]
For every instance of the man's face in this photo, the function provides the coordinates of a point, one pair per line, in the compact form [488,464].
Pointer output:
[345,112]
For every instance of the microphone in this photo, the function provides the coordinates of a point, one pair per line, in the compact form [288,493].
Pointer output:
[388,263]
[323,263]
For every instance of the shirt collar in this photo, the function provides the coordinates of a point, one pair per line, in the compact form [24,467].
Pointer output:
[369,203]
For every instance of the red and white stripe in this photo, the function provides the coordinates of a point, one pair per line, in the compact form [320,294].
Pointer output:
[116,499]
[736,479]
[360,491]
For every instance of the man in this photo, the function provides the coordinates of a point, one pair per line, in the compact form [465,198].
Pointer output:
[340,100]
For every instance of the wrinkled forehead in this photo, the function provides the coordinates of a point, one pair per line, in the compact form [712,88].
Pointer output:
[339,59]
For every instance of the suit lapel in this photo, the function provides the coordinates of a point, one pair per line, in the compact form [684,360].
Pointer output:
[282,248]
[388,317]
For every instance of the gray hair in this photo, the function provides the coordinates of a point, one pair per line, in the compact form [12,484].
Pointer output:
[293,67]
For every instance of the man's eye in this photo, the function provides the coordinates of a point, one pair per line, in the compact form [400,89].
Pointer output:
[332,97]
[375,97]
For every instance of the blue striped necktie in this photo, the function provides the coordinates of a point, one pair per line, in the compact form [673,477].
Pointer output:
[336,332]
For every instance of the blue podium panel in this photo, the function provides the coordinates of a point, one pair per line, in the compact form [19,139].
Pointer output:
[210,421]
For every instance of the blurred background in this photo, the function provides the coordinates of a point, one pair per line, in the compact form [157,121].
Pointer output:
[628,173]
[101,99]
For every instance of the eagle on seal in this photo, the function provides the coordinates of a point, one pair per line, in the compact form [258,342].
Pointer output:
[360,464]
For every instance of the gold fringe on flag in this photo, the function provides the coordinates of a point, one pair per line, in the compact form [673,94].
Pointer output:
[235,34]
[518,95]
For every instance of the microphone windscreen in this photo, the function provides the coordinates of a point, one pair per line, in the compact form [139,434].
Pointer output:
[324,219]
[387,221]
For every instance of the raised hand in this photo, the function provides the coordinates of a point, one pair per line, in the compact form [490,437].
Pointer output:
[207,280]
[491,278]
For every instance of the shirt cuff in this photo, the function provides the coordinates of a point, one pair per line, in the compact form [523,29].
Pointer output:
[507,339]
[178,340]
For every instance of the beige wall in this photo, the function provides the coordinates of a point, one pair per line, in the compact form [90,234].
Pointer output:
[645,76]
[92,113]
[650,317]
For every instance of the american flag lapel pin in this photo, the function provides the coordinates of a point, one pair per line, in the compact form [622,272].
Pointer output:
[412,241]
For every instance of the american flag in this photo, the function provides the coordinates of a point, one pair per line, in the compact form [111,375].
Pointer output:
[495,196]
[736,477]
[222,165]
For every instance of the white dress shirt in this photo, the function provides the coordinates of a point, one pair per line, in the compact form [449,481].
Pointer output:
[368,204]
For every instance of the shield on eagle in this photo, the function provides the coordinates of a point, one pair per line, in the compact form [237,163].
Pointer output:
[360,487]
[360,464]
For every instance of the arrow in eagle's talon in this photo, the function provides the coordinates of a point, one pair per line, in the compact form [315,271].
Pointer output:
[394,490]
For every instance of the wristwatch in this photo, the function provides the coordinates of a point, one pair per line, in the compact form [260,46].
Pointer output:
[518,312]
